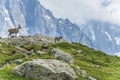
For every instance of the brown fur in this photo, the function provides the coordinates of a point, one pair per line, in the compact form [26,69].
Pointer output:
[14,30]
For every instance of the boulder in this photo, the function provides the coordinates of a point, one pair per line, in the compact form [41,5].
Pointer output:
[45,47]
[59,54]
[91,78]
[40,52]
[45,69]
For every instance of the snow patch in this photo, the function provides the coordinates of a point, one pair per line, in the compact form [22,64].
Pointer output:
[6,12]
[70,27]
[52,26]
[108,35]
[61,22]
[117,39]
[7,19]
[22,16]
[93,35]
[47,17]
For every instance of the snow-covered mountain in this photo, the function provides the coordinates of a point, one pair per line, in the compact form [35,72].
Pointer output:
[10,16]
[105,35]
[34,18]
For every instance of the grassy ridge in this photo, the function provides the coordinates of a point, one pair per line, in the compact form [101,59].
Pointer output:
[95,63]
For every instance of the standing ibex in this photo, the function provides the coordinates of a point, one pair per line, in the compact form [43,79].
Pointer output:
[14,30]
[58,38]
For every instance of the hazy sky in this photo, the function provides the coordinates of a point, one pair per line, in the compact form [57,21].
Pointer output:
[80,11]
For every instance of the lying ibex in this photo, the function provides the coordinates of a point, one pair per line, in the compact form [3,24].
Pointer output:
[14,30]
[58,38]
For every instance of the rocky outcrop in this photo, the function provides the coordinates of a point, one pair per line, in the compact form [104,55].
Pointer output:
[45,69]
[59,54]
[84,74]
[37,39]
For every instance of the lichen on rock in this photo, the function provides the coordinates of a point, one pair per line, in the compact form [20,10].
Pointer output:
[45,69]
[59,54]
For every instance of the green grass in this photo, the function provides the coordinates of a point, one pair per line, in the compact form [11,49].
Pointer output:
[34,47]
[5,74]
[8,54]
[94,62]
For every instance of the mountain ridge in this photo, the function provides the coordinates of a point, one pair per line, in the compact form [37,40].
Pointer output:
[38,20]
[103,34]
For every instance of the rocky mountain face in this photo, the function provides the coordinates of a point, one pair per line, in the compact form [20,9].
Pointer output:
[105,35]
[11,16]
[34,18]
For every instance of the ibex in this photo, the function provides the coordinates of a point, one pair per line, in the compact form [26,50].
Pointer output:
[14,30]
[58,38]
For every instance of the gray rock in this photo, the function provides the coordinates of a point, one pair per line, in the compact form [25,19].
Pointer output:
[79,51]
[91,78]
[81,72]
[45,47]
[4,52]
[45,69]
[40,52]
[98,66]
[18,61]
[59,54]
